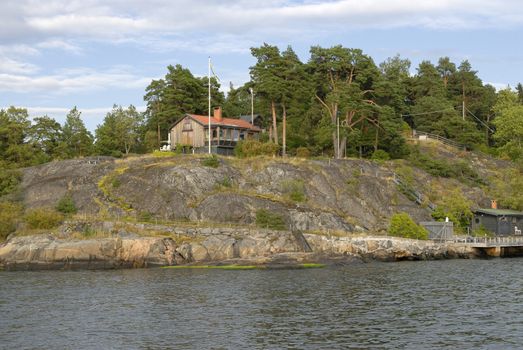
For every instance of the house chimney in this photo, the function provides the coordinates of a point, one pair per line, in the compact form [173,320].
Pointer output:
[218,114]
[494,204]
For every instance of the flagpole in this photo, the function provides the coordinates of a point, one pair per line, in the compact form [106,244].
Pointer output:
[209,83]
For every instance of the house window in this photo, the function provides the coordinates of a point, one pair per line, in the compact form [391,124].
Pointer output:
[477,220]
[235,135]
[242,135]
[187,126]
[214,133]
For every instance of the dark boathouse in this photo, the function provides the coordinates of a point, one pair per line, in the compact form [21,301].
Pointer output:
[501,222]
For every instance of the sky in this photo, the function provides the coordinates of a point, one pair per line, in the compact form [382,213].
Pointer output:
[92,54]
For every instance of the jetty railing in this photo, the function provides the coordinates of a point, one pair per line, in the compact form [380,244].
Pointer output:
[441,139]
[490,241]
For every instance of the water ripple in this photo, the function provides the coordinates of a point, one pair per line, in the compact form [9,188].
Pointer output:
[459,304]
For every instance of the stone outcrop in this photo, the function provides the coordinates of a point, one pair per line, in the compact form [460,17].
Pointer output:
[211,246]
[316,195]
[387,248]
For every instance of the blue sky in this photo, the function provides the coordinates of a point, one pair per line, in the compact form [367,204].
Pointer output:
[95,53]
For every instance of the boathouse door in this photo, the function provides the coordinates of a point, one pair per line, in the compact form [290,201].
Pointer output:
[504,226]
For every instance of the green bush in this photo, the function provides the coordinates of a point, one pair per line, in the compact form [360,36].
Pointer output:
[457,208]
[145,216]
[10,214]
[303,152]
[294,190]
[253,148]
[380,155]
[66,205]
[211,161]
[116,182]
[266,219]
[402,225]
[43,218]
[9,180]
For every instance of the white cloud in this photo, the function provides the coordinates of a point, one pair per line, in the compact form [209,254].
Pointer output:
[11,66]
[72,80]
[118,19]
[60,45]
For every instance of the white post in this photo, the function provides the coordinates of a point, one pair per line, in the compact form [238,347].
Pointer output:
[338,137]
[252,105]
[209,82]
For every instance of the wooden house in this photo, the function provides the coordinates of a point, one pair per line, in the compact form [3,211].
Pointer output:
[501,222]
[193,131]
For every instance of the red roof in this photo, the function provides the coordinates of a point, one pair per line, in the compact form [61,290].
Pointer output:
[204,120]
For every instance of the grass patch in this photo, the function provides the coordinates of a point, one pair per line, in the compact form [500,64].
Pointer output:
[212,161]
[160,154]
[245,267]
[312,266]
[216,267]
[294,190]
[269,220]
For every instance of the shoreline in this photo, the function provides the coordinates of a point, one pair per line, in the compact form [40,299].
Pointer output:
[216,247]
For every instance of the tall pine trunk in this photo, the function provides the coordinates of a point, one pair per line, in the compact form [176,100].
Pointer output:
[274,125]
[284,131]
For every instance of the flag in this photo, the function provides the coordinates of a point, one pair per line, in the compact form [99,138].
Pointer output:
[214,74]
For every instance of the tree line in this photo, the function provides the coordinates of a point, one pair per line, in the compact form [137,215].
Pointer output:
[338,103]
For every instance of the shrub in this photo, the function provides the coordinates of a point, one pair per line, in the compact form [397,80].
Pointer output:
[303,152]
[402,225]
[266,219]
[380,155]
[43,218]
[116,182]
[211,161]
[145,216]
[294,190]
[253,148]
[66,205]
[457,208]
[9,180]
[9,218]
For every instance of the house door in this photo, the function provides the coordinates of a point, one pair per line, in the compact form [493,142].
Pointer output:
[504,226]
[187,137]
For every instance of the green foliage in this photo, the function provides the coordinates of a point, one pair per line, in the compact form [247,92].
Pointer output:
[459,170]
[457,208]
[212,161]
[145,216]
[43,218]
[269,220]
[116,182]
[76,141]
[9,180]
[66,205]
[294,190]
[10,214]
[120,131]
[482,232]
[509,125]
[380,155]
[225,182]
[253,148]
[402,225]
[303,152]
[507,187]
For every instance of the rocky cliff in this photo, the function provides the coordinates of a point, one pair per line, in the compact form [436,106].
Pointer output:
[182,246]
[310,195]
